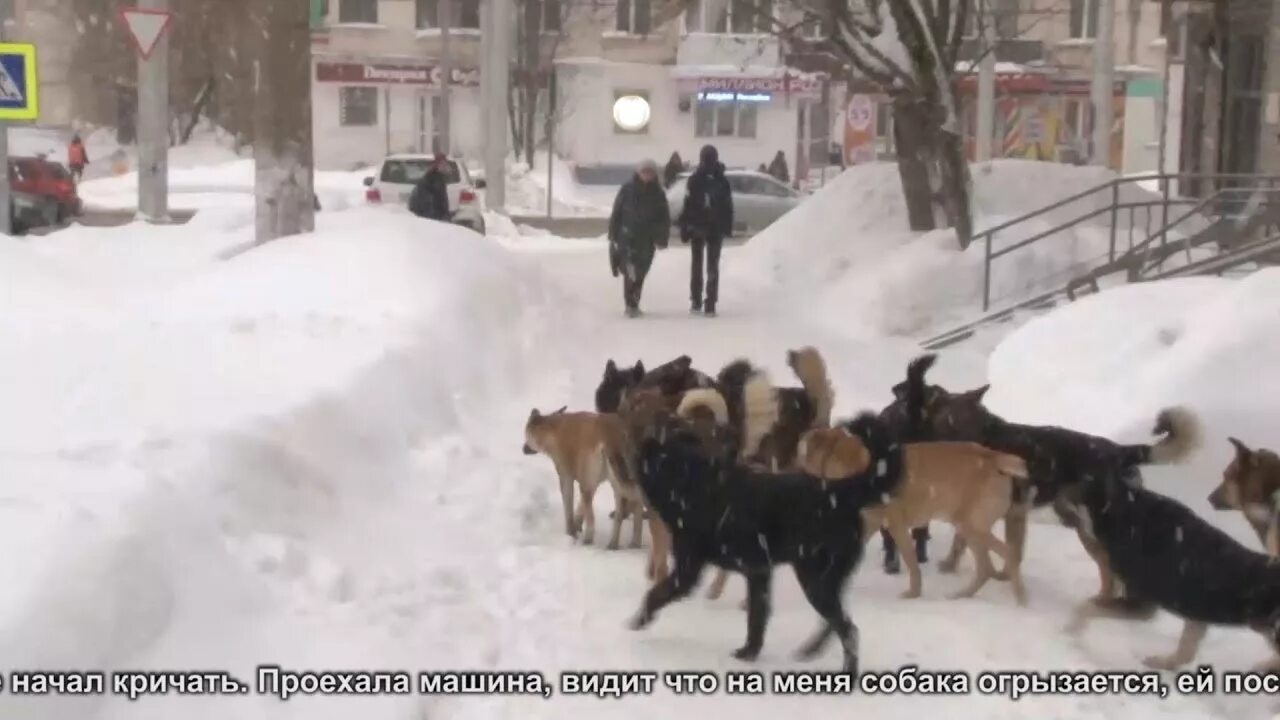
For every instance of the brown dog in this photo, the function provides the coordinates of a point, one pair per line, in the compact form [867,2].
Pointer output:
[588,448]
[965,484]
[1251,484]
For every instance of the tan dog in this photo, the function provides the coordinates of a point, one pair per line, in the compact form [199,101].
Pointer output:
[965,484]
[588,448]
[1251,484]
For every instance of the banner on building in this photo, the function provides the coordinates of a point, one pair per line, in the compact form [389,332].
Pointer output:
[429,75]
[860,130]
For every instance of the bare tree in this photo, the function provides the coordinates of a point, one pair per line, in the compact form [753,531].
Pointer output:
[282,119]
[541,26]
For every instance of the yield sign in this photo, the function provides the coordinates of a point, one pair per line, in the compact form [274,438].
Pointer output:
[145,26]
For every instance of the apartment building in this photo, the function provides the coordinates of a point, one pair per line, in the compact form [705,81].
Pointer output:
[708,73]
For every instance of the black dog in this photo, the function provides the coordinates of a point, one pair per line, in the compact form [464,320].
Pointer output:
[1057,458]
[1164,552]
[729,516]
[894,415]
[672,378]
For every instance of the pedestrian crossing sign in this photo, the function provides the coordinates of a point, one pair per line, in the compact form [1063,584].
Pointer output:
[19,87]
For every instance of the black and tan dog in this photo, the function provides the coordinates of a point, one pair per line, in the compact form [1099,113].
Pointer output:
[724,514]
[1056,457]
[1251,484]
[1165,553]
[672,378]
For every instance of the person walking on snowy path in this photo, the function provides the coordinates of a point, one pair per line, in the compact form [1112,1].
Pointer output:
[639,224]
[77,157]
[705,221]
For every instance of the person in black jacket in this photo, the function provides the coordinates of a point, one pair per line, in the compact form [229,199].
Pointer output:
[430,196]
[674,166]
[640,223]
[705,221]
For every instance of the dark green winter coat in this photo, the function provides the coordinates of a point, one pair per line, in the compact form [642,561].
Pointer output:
[641,219]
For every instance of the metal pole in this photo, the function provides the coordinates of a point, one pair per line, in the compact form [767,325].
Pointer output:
[551,132]
[153,126]
[1104,68]
[986,86]
[6,222]
[497,67]
[1162,154]
[446,77]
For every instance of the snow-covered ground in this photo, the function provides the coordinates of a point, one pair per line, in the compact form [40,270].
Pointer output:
[307,454]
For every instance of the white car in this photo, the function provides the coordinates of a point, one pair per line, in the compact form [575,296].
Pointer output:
[758,199]
[399,173]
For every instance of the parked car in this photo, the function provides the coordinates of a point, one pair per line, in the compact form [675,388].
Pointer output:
[758,199]
[45,178]
[399,173]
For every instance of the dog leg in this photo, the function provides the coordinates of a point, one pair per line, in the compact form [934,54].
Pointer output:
[566,497]
[717,584]
[759,587]
[951,562]
[902,538]
[671,588]
[1015,536]
[1107,589]
[823,588]
[661,548]
[619,516]
[637,522]
[587,510]
[1188,644]
[980,546]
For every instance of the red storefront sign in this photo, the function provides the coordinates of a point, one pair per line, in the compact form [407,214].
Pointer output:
[429,75]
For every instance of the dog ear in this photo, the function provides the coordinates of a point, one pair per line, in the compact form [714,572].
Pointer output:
[900,391]
[1243,453]
[976,394]
[534,414]
[637,370]
[561,410]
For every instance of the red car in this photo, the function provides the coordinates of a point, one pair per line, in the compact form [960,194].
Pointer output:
[46,179]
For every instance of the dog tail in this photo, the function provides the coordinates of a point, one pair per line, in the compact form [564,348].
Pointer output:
[916,420]
[708,399]
[886,462]
[809,366]
[1181,430]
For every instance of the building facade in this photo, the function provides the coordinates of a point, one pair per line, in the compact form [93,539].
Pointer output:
[43,22]
[705,75]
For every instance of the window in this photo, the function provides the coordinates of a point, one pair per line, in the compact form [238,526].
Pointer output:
[635,16]
[1084,19]
[725,119]
[548,15]
[358,11]
[319,13]
[407,172]
[464,14]
[358,106]
[738,17]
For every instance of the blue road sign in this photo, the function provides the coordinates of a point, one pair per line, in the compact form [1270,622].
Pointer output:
[19,84]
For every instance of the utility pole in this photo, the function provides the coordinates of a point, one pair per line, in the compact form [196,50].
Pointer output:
[282,153]
[986,83]
[1104,70]
[1162,155]
[6,221]
[153,124]
[446,78]
[494,78]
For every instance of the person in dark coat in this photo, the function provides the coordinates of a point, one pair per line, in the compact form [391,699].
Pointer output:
[705,221]
[640,223]
[673,168]
[778,168]
[430,196]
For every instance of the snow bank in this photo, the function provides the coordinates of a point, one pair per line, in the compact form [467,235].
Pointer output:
[527,191]
[849,246]
[1109,362]
[213,468]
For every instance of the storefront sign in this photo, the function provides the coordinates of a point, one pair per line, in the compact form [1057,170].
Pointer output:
[747,85]
[732,97]
[429,75]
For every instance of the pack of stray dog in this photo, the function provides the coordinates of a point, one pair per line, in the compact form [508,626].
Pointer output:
[735,474]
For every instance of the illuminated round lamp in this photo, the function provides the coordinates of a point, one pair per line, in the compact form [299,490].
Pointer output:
[631,113]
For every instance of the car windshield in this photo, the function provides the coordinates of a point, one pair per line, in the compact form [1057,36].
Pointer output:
[407,172]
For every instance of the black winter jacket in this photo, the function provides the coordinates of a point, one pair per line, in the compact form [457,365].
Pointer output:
[430,197]
[708,204]
[640,218]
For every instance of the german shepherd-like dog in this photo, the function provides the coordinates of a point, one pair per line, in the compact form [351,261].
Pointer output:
[1251,484]
[1165,553]
[672,378]
[586,449]
[1056,457]
[725,514]
[966,484]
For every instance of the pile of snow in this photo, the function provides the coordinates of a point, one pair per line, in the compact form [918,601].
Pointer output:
[1108,363]
[268,458]
[849,247]
[527,191]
